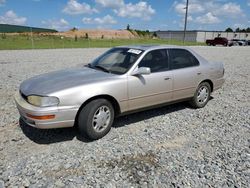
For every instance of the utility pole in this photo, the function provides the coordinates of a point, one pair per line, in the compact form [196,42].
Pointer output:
[185,26]
[32,40]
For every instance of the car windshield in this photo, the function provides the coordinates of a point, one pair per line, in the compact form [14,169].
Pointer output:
[116,60]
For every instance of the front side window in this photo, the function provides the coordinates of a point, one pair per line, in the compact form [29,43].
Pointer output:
[116,60]
[180,58]
[156,60]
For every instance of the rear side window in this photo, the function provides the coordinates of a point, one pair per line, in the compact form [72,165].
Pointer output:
[156,60]
[180,58]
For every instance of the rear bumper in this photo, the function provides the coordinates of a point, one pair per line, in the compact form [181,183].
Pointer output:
[64,116]
[218,83]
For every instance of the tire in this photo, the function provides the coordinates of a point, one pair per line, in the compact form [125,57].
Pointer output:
[96,118]
[204,90]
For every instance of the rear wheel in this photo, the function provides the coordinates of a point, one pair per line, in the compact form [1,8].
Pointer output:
[201,96]
[96,118]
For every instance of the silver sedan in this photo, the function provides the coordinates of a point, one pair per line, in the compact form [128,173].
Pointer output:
[122,80]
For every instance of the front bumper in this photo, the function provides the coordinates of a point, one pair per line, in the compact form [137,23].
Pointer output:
[64,116]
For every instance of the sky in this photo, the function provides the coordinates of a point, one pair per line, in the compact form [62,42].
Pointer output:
[117,14]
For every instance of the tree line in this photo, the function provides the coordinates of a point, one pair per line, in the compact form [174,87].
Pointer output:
[238,30]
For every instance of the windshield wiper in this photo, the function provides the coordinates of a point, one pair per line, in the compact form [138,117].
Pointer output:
[101,68]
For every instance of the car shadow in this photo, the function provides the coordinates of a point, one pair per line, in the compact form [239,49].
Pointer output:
[49,136]
[148,114]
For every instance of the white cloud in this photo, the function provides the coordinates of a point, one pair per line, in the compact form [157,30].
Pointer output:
[73,7]
[230,10]
[87,20]
[139,10]
[110,3]
[217,7]
[10,17]
[208,18]
[192,8]
[180,8]
[106,20]
[209,11]
[189,18]
[61,24]
[238,25]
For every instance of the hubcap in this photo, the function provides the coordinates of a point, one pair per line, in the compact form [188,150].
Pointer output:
[101,118]
[202,95]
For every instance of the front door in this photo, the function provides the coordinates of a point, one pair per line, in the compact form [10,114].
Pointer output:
[152,89]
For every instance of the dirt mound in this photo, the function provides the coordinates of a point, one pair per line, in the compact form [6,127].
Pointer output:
[106,34]
[91,33]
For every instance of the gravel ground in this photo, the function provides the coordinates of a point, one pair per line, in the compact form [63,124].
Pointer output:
[173,146]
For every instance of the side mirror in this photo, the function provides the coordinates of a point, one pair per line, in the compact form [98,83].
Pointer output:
[141,71]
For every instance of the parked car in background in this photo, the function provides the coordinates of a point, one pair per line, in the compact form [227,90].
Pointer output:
[240,42]
[232,43]
[217,41]
[121,81]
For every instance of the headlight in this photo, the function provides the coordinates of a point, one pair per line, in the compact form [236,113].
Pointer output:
[42,101]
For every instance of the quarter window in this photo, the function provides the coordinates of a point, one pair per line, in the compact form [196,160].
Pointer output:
[180,58]
[156,60]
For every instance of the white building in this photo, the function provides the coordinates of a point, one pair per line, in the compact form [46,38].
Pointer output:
[201,36]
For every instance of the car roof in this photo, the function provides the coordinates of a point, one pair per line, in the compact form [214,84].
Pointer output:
[152,47]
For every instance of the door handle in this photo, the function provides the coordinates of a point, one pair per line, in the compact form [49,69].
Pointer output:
[167,78]
[198,73]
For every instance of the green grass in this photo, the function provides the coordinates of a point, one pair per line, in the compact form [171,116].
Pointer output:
[51,42]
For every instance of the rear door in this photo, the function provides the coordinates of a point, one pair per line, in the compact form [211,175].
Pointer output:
[186,72]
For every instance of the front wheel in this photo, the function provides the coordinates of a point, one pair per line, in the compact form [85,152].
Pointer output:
[201,96]
[96,118]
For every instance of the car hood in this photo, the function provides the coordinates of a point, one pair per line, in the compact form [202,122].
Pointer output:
[46,84]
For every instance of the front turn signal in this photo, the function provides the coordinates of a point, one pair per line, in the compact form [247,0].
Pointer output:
[45,117]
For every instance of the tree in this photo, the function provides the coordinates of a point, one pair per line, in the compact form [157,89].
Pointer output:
[154,34]
[248,29]
[74,29]
[86,35]
[229,29]
[128,27]
[237,29]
